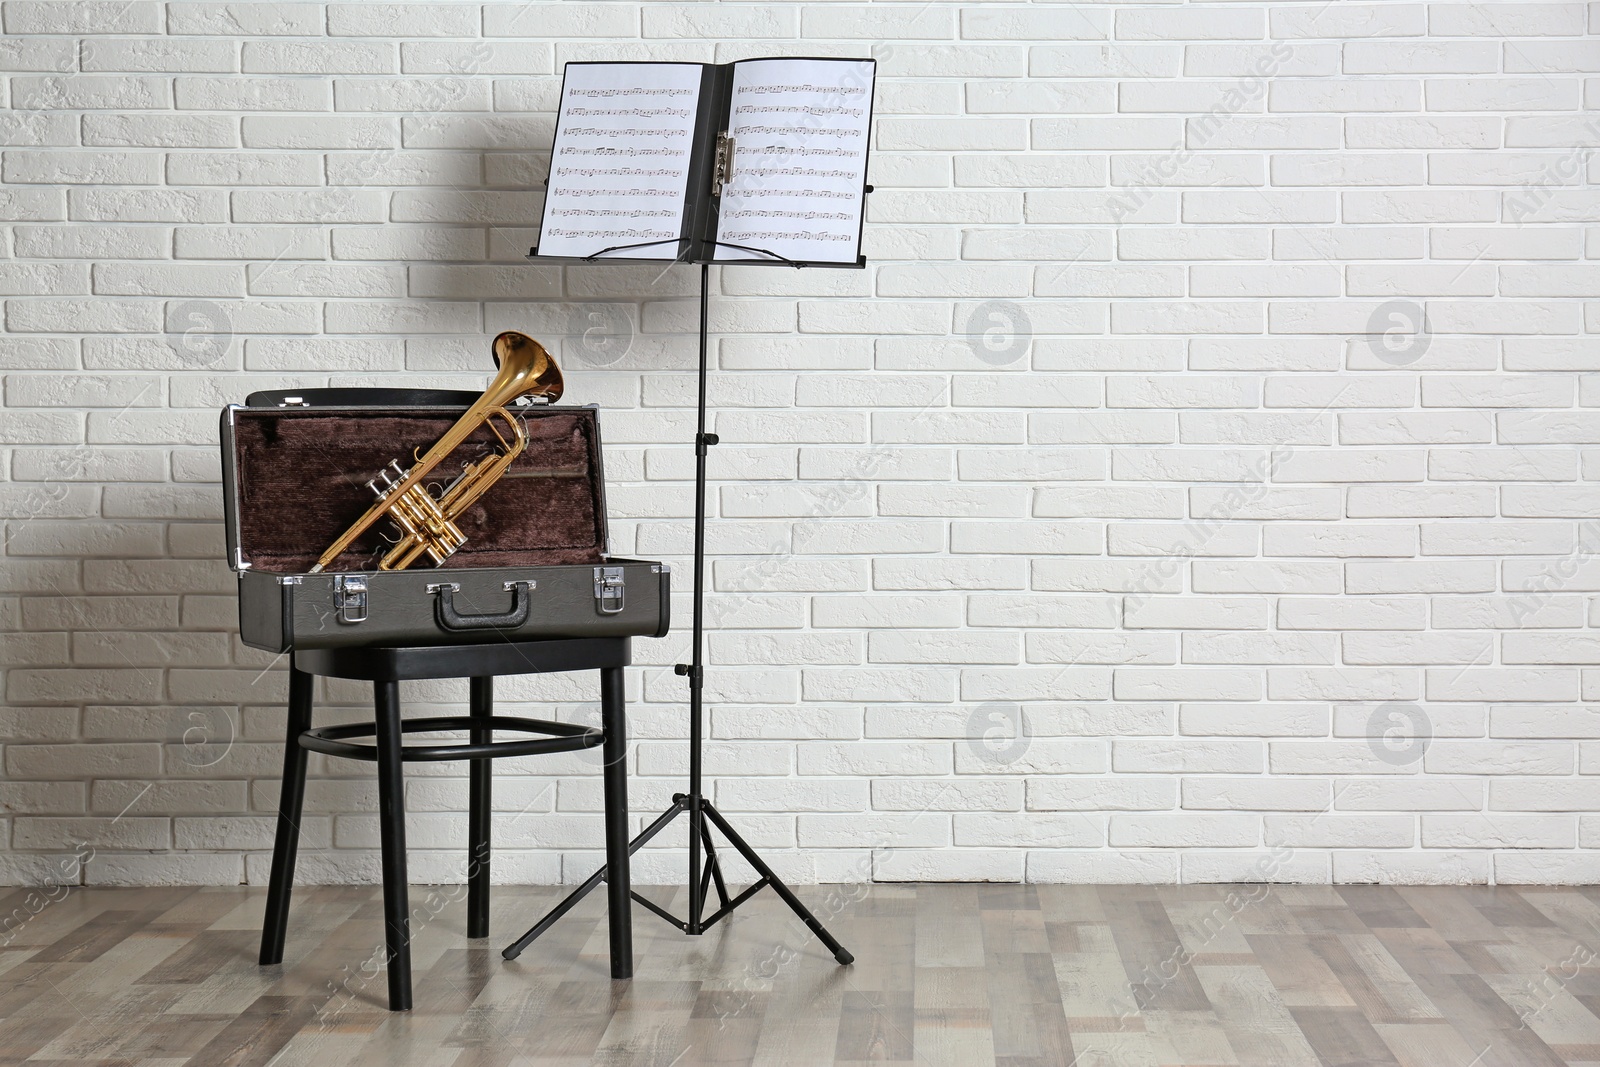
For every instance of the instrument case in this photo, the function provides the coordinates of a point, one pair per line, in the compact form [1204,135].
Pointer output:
[536,562]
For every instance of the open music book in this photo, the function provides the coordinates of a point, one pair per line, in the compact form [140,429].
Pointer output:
[703,162]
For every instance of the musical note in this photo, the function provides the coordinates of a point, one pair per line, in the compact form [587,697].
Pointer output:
[755,236]
[831,89]
[636,90]
[797,109]
[632,112]
[596,172]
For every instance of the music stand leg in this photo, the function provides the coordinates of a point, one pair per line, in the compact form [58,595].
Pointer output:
[755,860]
[513,950]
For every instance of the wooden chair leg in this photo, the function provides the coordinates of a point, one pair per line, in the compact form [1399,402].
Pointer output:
[392,834]
[619,887]
[480,788]
[291,799]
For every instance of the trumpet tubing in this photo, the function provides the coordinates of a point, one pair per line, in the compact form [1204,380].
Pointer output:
[427,524]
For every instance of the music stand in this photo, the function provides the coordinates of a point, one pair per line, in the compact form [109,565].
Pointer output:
[710,168]
[702,876]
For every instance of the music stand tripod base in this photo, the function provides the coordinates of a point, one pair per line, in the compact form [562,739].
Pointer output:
[711,876]
[702,877]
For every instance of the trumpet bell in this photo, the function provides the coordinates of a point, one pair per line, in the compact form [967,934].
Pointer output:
[535,366]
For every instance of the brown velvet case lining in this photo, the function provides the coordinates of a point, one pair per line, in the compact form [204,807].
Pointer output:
[302,478]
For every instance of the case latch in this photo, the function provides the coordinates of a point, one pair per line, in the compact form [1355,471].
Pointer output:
[350,597]
[610,593]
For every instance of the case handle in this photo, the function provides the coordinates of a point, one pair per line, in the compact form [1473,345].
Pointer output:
[444,608]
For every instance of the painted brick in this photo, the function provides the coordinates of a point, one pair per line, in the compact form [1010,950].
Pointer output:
[1178,546]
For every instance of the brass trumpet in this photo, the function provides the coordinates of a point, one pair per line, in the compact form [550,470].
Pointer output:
[427,524]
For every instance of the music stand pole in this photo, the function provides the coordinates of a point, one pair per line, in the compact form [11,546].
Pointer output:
[696,665]
[699,810]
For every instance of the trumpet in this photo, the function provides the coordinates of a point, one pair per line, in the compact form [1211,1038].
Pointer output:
[427,523]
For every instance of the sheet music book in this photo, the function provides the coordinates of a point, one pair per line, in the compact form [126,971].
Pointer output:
[768,154]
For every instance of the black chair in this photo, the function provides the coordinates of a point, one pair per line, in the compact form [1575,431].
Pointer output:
[386,668]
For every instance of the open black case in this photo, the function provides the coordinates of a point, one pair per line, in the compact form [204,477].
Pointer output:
[295,467]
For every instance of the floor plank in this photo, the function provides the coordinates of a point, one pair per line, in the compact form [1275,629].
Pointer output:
[967,975]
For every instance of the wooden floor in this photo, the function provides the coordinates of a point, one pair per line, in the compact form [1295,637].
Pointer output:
[959,975]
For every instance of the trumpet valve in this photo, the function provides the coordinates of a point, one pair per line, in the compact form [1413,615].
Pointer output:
[389,480]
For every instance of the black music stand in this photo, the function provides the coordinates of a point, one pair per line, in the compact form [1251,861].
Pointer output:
[702,876]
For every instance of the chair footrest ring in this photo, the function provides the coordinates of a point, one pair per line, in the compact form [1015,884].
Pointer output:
[559,737]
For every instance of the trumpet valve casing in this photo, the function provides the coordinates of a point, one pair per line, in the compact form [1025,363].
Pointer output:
[423,524]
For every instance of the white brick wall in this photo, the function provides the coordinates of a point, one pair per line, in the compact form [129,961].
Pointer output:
[1200,484]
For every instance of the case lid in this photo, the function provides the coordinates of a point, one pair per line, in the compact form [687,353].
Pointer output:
[295,478]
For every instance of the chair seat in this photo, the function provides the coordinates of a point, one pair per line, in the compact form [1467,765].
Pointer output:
[491,659]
